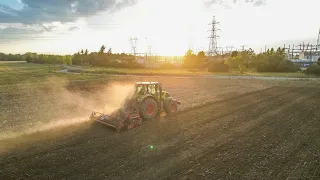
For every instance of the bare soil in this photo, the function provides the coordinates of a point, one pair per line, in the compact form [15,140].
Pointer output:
[269,132]
[34,105]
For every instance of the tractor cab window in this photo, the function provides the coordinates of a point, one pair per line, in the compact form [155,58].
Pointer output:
[157,89]
[138,88]
[141,89]
[152,89]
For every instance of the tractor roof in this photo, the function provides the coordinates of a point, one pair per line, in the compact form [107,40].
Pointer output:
[144,83]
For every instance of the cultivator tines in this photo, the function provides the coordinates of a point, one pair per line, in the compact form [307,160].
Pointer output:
[128,122]
[132,120]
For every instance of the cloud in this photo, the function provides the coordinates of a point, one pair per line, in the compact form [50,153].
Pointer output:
[73,28]
[40,11]
[23,31]
[6,12]
[259,2]
[228,2]
[18,33]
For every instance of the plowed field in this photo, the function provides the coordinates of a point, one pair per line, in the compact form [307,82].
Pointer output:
[267,131]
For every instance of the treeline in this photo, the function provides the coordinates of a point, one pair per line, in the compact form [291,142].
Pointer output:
[269,61]
[48,59]
[103,59]
[11,57]
[37,58]
[83,57]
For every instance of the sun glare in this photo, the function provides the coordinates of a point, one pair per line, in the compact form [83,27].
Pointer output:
[166,24]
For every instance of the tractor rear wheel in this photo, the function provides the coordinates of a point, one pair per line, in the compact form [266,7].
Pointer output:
[148,109]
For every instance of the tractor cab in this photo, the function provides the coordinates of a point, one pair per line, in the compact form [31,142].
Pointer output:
[150,88]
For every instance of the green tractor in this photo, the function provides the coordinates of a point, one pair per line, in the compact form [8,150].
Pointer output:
[147,102]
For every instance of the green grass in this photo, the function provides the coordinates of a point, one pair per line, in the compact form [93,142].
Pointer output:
[13,73]
[290,74]
[101,70]
[123,71]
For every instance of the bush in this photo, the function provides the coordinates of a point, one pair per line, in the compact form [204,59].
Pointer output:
[218,66]
[313,70]
[287,66]
[282,66]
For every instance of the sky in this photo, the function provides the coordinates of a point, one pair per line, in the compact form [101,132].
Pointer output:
[167,27]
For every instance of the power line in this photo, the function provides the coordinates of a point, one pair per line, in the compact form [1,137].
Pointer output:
[243,47]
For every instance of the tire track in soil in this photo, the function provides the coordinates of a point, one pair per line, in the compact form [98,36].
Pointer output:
[168,135]
[226,124]
[124,147]
[307,149]
[230,147]
[111,165]
[134,166]
[190,135]
[283,133]
[75,146]
[75,143]
[222,104]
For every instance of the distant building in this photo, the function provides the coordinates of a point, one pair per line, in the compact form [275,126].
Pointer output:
[305,59]
[311,56]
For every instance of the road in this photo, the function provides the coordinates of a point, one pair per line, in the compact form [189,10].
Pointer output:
[266,134]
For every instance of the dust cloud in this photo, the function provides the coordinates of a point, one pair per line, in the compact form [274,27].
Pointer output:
[57,106]
[115,95]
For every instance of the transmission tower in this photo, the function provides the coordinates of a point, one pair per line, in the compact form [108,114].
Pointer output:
[318,41]
[133,42]
[213,49]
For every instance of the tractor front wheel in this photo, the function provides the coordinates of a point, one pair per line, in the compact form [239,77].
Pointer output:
[148,109]
[171,107]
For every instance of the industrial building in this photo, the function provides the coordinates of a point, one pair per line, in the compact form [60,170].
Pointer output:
[304,54]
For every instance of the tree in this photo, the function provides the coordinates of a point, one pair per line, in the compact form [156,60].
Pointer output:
[241,60]
[218,66]
[102,48]
[280,51]
[201,58]
[237,62]
[201,54]
[86,52]
[109,51]
[234,53]
[250,52]
[272,51]
[189,53]
[318,61]
[189,59]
